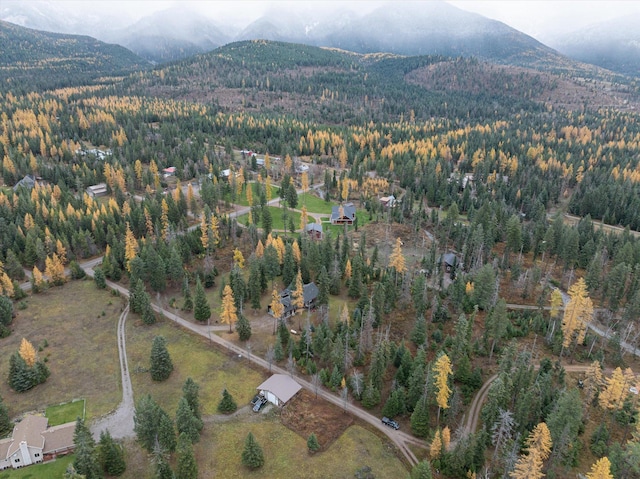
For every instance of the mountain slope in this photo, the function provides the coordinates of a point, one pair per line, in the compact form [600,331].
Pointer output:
[614,45]
[170,35]
[34,59]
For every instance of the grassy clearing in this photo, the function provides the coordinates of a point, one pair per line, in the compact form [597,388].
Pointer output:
[315,204]
[286,453]
[51,470]
[241,196]
[192,356]
[78,323]
[333,230]
[277,219]
[64,413]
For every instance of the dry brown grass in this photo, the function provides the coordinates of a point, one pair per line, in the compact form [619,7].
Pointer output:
[82,352]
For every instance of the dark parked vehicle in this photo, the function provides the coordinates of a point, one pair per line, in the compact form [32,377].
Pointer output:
[390,422]
[259,404]
[255,399]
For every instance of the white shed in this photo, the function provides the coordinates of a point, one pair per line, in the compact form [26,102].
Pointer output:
[279,388]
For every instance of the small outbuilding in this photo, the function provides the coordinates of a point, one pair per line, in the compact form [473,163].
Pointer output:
[314,231]
[98,190]
[279,389]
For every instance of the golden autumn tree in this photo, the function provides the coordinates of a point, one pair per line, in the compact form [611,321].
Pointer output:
[238,258]
[556,303]
[396,260]
[601,469]
[298,293]
[267,187]
[36,277]
[215,230]
[436,445]
[529,466]
[54,269]
[593,382]
[304,217]
[259,249]
[348,269]
[577,314]
[442,370]
[130,247]
[27,352]
[277,309]
[304,181]
[297,254]
[229,314]
[446,437]
[249,194]
[204,233]
[616,389]
[164,220]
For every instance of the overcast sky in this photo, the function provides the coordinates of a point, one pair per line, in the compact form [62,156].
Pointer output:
[538,18]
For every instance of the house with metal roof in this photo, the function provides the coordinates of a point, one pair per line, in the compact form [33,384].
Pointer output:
[279,389]
[310,293]
[343,214]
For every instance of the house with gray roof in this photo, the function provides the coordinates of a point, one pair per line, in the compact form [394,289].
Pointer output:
[279,389]
[33,442]
[310,293]
[343,214]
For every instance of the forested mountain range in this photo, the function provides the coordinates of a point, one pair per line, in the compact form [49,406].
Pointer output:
[35,59]
[404,28]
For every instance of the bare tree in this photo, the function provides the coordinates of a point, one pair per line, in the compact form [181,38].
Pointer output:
[270,356]
[315,380]
[357,383]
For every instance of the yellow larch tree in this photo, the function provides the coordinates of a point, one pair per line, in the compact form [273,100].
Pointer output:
[130,246]
[529,466]
[164,220]
[396,260]
[304,218]
[601,469]
[278,243]
[54,269]
[250,194]
[229,314]
[276,306]
[556,303]
[6,285]
[204,232]
[267,188]
[304,181]
[38,280]
[298,293]
[446,437]
[27,352]
[61,251]
[190,195]
[215,230]
[348,270]
[593,382]
[616,389]
[343,157]
[577,314]
[238,258]
[442,369]
[138,170]
[259,249]
[148,222]
[297,254]
[267,162]
[345,190]
[436,445]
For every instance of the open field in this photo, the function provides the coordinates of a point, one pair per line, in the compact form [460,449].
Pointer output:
[241,196]
[315,204]
[64,413]
[51,470]
[78,323]
[193,357]
[286,453]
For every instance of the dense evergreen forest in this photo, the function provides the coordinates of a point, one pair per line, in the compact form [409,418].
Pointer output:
[489,171]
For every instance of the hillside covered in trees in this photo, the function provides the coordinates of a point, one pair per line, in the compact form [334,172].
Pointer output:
[482,173]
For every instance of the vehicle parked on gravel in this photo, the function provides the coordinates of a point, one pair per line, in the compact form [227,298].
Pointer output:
[259,404]
[390,422]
